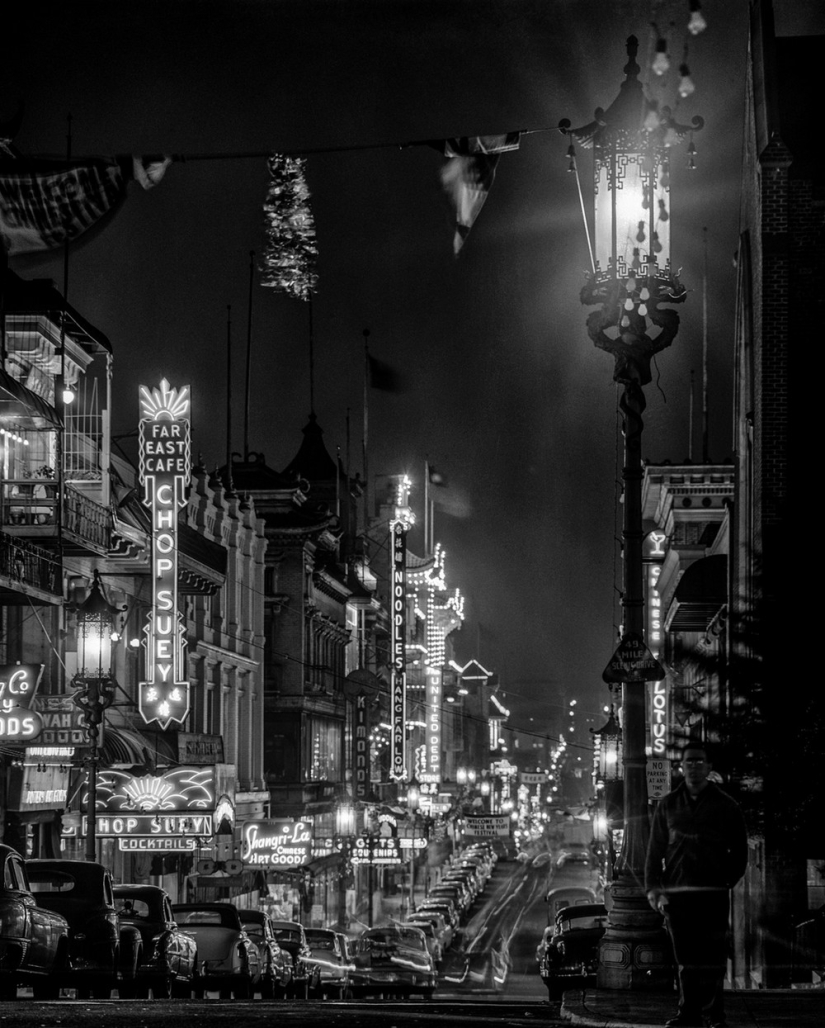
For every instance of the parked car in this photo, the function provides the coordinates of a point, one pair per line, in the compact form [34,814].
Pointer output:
[168,959]
[34,942]
[331,956]
[567,896]
[443,929]
[443,906]
[103,954]
[306,976]
[574,854]
[432,937]
[276,963]
[571,954]
[228,960]
[393,961]
[455,891]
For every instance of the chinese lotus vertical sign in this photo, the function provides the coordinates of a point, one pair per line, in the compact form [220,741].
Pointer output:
[165,451]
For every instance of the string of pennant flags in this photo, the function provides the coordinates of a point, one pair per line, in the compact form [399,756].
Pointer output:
[46,204]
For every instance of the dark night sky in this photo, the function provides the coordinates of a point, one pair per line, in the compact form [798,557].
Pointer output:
[508,398]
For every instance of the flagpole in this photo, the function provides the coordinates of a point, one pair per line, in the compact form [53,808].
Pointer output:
[248,358]
[426,508]
[366,428]
[311,360]
[229,396]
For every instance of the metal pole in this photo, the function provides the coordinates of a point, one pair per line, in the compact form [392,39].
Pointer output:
[91,797]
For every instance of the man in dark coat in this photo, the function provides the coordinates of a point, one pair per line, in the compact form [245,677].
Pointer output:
[698,851]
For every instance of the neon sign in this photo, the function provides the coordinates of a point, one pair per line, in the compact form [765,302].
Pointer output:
[360,749]
[398,713]
[658,718]
[165,447]
[276,843]
[18,684]
[433,746]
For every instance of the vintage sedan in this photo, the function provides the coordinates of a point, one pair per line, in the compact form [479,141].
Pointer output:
[103,954]
[276,963]
[306,976]
[330,956]
[34,943]
[569,958]
[228,960]
[168,959]
[431,935]
[393,961]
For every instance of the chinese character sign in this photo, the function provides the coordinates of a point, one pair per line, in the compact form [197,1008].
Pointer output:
[164,438]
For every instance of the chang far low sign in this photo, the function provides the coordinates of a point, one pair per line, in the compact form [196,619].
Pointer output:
[165,460]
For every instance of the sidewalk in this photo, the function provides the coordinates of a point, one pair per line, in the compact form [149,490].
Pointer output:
[756,1008]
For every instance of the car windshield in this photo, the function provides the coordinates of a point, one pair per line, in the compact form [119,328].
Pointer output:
[287,935]
[51,881]
[321,940]
[223,916]
[396,937]
[253,928]
[127,906]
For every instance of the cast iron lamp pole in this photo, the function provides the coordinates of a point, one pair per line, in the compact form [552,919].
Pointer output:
[630,277]
[94,687]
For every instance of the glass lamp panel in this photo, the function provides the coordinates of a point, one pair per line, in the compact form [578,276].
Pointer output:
[638,203]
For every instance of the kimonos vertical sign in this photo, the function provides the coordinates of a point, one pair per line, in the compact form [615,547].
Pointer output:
[165,451]
[360,748]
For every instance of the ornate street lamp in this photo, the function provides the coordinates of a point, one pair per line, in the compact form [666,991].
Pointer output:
[94,686]
[630,278]
[607,755]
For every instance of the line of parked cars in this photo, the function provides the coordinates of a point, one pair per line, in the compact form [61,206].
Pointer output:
[65,924]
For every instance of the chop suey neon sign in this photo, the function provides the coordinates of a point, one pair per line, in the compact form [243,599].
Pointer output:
[165,450]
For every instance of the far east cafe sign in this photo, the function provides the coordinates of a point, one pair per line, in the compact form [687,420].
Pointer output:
[165,452]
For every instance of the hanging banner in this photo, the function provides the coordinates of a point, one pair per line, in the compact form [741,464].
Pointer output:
[164,440]
[485,827]
[398,687]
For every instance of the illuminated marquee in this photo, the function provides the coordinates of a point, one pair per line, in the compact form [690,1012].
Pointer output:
[164,474]
[398,714]
[176,791]
[433,746]
[658,718]
[18,684]
[277,843]
[361,748]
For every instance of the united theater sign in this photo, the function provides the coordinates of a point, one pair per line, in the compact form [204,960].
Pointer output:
[165,451]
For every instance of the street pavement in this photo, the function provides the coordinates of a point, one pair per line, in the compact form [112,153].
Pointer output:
[755,1008]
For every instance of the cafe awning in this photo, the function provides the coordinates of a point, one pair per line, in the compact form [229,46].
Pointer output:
[701,593]
[19,404]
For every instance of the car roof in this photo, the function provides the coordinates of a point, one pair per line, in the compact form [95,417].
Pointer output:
[582,910]
[137,890]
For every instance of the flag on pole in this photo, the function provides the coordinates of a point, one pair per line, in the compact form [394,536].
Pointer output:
[46,203]
[383,376]
[468,176]
[435,477]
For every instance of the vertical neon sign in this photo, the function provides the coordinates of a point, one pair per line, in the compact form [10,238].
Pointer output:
[398,763]
[165,452]
[399,526]
[433,771]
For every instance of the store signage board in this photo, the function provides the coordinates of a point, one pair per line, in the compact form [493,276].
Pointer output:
[376,850]
[179,790]
[18,685]
[164,467]
[63,723]
[19,724]
[276,843]
[152,826]
[169,844]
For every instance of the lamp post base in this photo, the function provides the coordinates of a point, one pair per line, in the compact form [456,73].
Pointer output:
[635,951]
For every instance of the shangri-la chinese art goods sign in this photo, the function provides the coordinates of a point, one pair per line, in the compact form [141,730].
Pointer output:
[165,451]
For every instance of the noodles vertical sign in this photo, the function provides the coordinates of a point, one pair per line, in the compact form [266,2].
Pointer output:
[165,452]
[402,521]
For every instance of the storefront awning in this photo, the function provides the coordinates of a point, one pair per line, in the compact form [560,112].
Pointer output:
[19,403]
[124,748]
[701,593]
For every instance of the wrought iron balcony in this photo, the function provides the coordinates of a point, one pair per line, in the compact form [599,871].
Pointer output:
[24,565]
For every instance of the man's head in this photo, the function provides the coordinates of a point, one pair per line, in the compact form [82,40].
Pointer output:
[695,766]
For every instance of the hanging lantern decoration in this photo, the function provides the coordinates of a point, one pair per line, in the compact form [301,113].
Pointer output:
[291,253]
[607,757]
